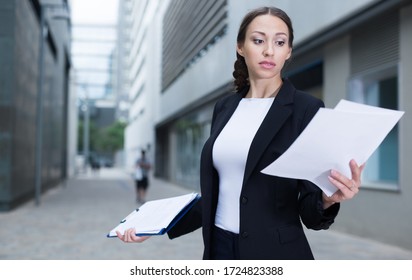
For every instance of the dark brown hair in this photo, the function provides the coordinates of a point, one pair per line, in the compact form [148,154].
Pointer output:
[240,72]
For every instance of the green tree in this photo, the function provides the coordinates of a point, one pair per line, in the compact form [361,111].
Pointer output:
[104,141]
[111,138]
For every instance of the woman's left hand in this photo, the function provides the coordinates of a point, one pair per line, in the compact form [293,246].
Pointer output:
[347,188]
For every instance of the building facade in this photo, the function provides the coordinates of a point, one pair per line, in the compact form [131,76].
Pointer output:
[27,68]
[180,61]
[139,63]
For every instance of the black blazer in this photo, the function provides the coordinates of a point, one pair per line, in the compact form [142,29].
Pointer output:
[272,209]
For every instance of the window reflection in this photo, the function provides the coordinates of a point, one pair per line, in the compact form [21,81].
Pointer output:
[380,88]
[191,135]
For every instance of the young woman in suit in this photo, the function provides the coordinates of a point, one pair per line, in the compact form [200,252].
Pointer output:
[245,214]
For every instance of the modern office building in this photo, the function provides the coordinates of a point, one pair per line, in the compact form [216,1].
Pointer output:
[34,98]
[139,63]
[178,61]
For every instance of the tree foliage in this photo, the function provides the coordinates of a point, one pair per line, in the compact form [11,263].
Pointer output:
[105,140]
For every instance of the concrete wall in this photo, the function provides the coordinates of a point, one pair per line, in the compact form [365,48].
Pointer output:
[18,99]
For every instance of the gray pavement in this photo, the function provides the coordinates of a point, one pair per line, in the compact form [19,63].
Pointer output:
[73,219]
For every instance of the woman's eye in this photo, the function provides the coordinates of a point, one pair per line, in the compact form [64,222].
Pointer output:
[258,41]
[280,43]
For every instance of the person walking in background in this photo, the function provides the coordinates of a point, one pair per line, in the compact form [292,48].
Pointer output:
[245,214]
[142,168]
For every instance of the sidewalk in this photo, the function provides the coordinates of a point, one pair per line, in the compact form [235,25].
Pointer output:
[73,219]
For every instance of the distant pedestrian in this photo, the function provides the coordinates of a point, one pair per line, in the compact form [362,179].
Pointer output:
[142,168]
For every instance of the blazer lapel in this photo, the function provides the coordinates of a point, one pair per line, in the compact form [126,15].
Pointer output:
[272,123]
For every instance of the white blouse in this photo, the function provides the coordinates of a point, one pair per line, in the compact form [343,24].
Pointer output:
[230,153]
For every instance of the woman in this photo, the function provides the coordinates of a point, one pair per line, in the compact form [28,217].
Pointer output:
[245,214]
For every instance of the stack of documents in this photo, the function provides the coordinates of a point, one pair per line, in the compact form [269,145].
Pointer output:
[157,216]
[331,140]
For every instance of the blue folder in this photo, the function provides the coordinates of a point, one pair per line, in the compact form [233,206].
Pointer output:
[186,203]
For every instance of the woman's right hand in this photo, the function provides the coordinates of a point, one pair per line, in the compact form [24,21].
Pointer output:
[129,236]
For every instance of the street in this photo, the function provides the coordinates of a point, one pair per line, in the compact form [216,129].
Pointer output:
[74,218]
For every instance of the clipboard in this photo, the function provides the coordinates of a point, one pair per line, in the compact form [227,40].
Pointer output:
[156,217]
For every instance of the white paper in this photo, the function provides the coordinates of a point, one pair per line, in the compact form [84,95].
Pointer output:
[155,215]
[331,140]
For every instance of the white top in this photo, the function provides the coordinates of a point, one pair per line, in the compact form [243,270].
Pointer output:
[230,153]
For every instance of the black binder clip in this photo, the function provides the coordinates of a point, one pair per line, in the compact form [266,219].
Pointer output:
[124,220]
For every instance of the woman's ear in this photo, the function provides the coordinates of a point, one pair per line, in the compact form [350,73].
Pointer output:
[289,54]
[239,49]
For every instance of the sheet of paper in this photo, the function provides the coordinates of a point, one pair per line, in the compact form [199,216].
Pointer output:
[155,215]
[331,140]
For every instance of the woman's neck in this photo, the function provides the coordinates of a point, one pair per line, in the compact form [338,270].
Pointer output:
[264,89]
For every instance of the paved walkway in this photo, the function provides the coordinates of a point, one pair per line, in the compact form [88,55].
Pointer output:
[73,219]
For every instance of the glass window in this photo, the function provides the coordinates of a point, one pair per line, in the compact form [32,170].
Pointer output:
[380,88]
[191,134]
[189,140]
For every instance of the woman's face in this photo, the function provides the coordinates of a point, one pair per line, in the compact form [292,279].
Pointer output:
[266,47]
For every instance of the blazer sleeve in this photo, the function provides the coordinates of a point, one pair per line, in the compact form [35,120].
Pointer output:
[191,221]
[311,207]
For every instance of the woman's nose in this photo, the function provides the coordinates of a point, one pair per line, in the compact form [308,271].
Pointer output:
[269,50]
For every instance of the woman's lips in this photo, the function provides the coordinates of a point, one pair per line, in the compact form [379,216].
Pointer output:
[267,64]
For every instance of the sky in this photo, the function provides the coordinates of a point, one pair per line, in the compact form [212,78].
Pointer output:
[92,59]
[94,11]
